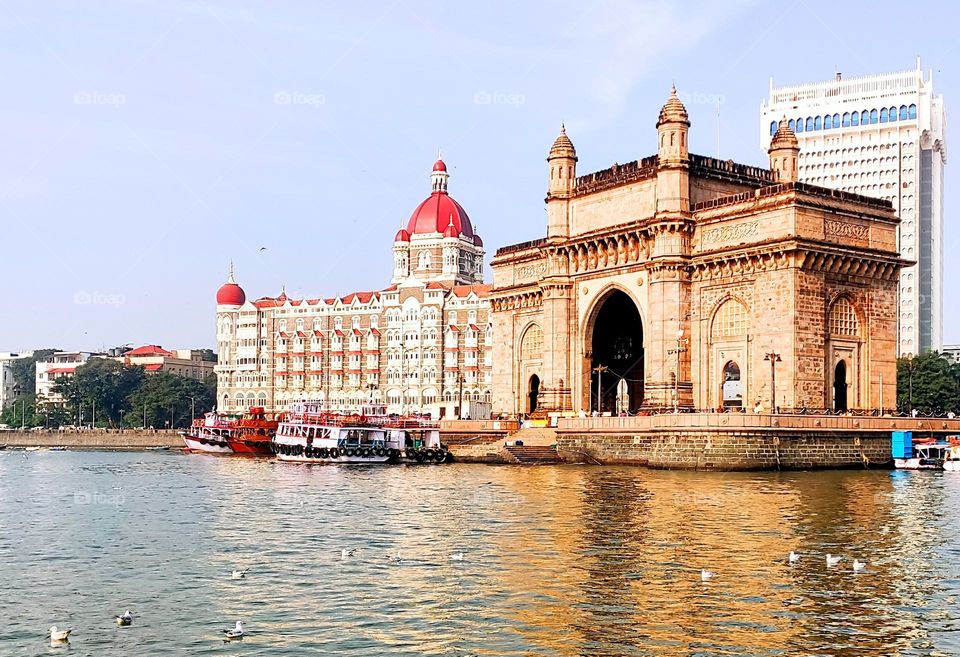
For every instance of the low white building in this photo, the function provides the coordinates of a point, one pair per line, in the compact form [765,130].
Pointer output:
[60,364]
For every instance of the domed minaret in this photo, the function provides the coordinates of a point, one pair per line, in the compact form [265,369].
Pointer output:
[673,187]
[562,164]
[230,298]
[784,153]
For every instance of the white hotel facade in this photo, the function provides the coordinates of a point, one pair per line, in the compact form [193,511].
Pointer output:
[881,136]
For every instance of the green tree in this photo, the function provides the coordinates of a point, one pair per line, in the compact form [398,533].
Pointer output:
[934,381]
[102,387]
[166,400]
[25,370]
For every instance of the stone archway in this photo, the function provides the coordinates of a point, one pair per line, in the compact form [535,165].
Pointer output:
[840,387]
[732,387]
[533,393]
[615,352]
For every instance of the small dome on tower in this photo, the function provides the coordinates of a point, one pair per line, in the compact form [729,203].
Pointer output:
[477,241]
[784,137]
[439,165]
[562,146]
[403,235]
[451,230]
[231,294]
[435,213]
[673,110]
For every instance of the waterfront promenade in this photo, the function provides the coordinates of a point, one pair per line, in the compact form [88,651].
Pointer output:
[99,439]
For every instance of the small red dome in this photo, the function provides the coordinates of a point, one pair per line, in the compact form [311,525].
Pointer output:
[402,236]
[439,165]
[477,241]
[231,294]
[451,231]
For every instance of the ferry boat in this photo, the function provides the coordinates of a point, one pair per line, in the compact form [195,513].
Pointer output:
[252,433]
[314,433]
[926,456]
[208,435]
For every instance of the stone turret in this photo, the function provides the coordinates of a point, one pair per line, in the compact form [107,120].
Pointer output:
[784,153]
[562,161]
[672,127]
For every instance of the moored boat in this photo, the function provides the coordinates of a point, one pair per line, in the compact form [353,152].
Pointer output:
[209,434]
[251,434]
[417,439]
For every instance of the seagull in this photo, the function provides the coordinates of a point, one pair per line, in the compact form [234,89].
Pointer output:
[239,574]
[793,557]
[456,556]
[344,553]
[126,619]
[398,557]
[832,560]
[59,636]
[706,575]
[234,634]
[858,565]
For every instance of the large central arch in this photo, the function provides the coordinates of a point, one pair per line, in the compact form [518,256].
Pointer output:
[615,348]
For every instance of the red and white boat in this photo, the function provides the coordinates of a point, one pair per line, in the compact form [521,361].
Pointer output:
[312,433]
[252,433]
[209,434]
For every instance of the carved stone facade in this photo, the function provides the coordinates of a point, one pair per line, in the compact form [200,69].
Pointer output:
[682,280]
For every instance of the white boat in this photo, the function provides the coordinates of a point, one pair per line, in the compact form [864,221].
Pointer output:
[313,433]
[209,435]
[951,461]
[929,456]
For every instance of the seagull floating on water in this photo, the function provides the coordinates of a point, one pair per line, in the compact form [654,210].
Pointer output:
[706,575]
[456,556]
[858,565]
[59,636]
[344,553]
[832,560]
[125,619]
[234,634]
[793,557]
[239,574]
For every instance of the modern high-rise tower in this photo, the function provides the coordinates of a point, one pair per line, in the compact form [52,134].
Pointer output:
[881,136]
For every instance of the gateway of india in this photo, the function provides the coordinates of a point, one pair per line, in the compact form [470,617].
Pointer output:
[681,281]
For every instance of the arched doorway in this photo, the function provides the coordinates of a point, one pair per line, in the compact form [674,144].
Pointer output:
[616,353]
[732,386]
[534,392]
[840,387]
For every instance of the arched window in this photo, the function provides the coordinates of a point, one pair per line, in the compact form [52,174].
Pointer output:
[773,127]
[792,125]
[836,120]
[809,125]
[904,113]
[893,113]
[843,319]
[855,119]
[531,345]
[799,125]
[731,320]
[846,119]
[827,122]
[912,110]
[873,116]
[817,123]
[883,115]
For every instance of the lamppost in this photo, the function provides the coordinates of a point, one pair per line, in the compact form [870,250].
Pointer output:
[121,419]
[600,369]
[460,384]
[681,342]
[193,408]
[774,358]
[910,366]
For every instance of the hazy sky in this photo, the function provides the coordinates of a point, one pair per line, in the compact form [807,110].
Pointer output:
[145,143]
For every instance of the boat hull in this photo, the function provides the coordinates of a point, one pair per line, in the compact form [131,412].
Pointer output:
[358,460]
[250,447]
[205,445]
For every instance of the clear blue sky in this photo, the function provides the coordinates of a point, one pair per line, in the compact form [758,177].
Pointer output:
[145,143]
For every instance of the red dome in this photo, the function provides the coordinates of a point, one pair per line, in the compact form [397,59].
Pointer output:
[439,166]
[402,236]
[434,214]
[230,294]
[477,241]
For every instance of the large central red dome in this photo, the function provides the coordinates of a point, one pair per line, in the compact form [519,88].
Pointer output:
[437,212]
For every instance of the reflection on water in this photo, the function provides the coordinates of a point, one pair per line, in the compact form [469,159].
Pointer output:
[558,560]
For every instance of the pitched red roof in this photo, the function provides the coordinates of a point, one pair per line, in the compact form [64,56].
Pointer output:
[153,367]
[62,370]
[149,350]
[480,290]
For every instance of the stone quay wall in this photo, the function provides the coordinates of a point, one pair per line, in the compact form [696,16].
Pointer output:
[132,439]
[740,442]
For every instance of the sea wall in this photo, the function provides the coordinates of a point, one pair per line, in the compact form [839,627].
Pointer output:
[100,439]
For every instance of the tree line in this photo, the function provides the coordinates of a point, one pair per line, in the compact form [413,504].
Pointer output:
[109,394]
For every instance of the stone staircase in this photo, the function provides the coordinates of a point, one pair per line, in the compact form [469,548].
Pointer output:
[534,454]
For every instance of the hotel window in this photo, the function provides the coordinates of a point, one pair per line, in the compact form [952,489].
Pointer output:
[827,122]
[282,325]
[817,123]
[300,324]
[374,321]
[356,322]
[846,119]
[912,111]
[773,128]
[809,125]
[873,116]
[799,126]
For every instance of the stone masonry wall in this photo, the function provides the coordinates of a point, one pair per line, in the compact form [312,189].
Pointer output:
[734,450]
